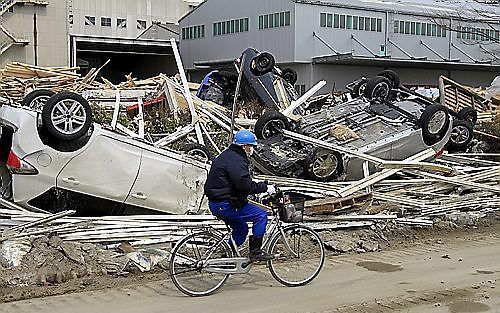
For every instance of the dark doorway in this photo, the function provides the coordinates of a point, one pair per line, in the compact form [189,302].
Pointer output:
[142,61]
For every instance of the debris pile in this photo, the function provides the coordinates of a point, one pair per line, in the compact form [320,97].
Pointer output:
[162,111]
[17,79]
[51,260]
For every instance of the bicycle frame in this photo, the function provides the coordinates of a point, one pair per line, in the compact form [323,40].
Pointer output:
[239,264]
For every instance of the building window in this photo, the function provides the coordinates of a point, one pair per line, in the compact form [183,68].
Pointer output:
[396,27]
[89,20]
[233,26]
[423,31]
[141,24]
[287,18]
[341,21]
[374,24]
[329,20]
[195,32]
[322,20]
[70,19]
[348,22]
[121,22]
[367,23]
[282,19]
[418,28]
[106,21]
[246,21]
[278,19]
[434,30]
[361,23]
[412,28]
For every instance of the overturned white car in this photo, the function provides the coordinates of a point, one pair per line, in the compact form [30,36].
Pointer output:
[59,159]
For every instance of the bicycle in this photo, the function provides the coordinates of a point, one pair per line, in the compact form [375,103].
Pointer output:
[202,261]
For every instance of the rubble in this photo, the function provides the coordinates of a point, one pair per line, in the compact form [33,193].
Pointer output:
[42,248]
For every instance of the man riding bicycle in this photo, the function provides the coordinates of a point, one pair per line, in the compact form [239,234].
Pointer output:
[227,188]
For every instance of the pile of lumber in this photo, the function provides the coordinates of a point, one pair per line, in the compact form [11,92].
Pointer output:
[112,230]
[18,79]
[456,96]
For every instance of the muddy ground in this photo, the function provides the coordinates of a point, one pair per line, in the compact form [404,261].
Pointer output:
[384,237]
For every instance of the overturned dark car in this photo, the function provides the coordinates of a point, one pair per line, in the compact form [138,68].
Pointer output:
[264,86]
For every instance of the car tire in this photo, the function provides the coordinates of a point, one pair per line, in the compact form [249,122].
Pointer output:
[270,124]
[36,99]
[434,122]
[67,116]
[262,63]
[468,114]
[197,150]
[324,165]
[359,88]
[461,135]
[289,75]
[377,89]
[392,76]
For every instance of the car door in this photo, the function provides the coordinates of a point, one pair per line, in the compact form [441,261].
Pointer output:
[168,182]
[106,169]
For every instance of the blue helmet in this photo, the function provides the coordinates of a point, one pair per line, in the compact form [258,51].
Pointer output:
[245,137]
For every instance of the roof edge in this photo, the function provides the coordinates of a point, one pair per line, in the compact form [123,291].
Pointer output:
[190,12]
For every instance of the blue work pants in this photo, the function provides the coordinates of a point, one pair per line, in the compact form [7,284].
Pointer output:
[238,218]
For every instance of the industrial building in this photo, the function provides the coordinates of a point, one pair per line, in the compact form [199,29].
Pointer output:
[133,34]
[341,40]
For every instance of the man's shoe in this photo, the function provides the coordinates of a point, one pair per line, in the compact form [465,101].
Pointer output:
[256,253]
[260,255]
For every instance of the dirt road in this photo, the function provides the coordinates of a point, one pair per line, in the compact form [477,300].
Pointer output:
[457,276]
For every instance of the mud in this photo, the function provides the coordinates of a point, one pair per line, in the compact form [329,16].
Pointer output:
[380,267]
[59,272]
[467,307]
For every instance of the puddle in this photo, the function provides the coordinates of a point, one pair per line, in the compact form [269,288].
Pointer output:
[380,267]
[485,272]
[467,307]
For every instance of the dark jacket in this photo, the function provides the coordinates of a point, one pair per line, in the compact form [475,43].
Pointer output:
[229,178]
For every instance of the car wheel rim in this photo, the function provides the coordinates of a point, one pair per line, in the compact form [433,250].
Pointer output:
[460,134]
[68,116]
[437,122]
[324,165]
[272,128]
[198,153]
[38,103]
[381,91]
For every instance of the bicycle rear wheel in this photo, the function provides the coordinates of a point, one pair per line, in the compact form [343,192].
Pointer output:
[188,268]
[303,263]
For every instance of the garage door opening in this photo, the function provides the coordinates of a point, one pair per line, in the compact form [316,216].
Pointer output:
[143,60]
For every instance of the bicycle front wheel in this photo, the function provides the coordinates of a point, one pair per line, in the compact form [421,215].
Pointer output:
[299,255]
[188,268]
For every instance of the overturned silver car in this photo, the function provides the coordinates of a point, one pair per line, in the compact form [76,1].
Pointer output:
[58,158]
[384,120]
